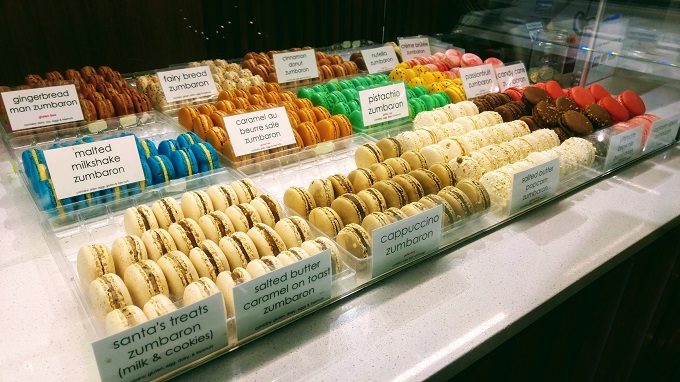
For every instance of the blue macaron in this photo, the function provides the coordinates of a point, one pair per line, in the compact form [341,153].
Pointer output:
[30,159]
[47,198]
[206,156]
[146,148]
[167,146]
[188,139]
[161,169]
[184,162]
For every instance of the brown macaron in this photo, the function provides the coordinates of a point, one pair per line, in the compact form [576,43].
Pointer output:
[575,123]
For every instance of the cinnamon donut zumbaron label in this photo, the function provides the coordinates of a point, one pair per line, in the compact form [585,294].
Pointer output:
[295,66]
[52,105]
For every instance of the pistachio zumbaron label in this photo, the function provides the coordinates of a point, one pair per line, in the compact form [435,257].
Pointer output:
[89,167]
[295,66]
[413,47]
[623,147]
[259,130]
[383,104]
[512,75]
[52,105]
[152,349]
[404,240]
[269,299]
[532,184]
[380,60]
[478,80]
[188,83]
[662,133]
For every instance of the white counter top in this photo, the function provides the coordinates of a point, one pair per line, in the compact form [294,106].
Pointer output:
[444,312]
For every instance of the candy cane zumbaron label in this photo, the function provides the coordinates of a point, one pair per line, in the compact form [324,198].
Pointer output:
[159,346]
[414,47]
[384,103]
[662,133]
[512,75]
[536,183]
[478,80]
[259,130]
[271,298]
[89,167]
[404,240]
[188,83]
[380,60]
[295,66]
[623,147]
[52,105]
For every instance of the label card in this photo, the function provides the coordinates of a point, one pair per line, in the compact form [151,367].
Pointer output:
[405,240]
[662,133]
[295,66]
[511,75]
[384,103]
[271,298]
[259,130]
[533,184]
[52,105]
[623,147]
[159,346]
[188,83]
[478,80]
[413,47]
[380,60]
[89,167]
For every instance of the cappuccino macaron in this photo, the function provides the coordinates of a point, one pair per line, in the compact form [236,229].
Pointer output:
[445,173]
[322,192]
[208,259]
[299,200]
[179,272]
[127,250]
[373,200]
[375,220]
[266,240]
[123,318]
[144,280]
[428,179]
[476,193]
[341,184]
[382,171]
[414,190]
[243,216]
[399,165]
[196,204]
[294,230]
[459,202]
[350,208]
[262,266]
[361,179]
[137,220]
[187,234]
[94,260]
[239,249]
[108,292]
[326,220]
[320,244]
[355,240]
[216,225]
[245,190]
[158,242]
[222,196]
[413,208]
[268,209]
[393,193]
[367,154]
[157,306]
[415,160]
[199,290]
[167,211]
[390,147]
[292,256]
[395,214]
[431,201]
[226,281]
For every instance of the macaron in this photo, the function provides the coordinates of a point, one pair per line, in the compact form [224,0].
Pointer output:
[206,156]
[145,279]
[179,272]
[137,220]
[198,290]
[196,204]
[581,96]
[162,170]
[393,193]
[413,208]
[414,190]
[146,148]
[245,190]
[598,91]
[373,200]
[293,231]
[184,162]
[94,260]
[215,225]
[190,138]
[382,171]
[341,184]
[268,209]
[368,154]
[320,244]
[389,147]
[243,216]
[431,201]
[355,240]
[262,266]
[458,200]
[158,242]
[167,211]
[123,318]
[428,179]
[326,220]
[445,173]
[476,193]
[322,192]
[126,251]
[375,220]
[226,281]
[575,123]
[266,240]
[208,259]
[350,208]
[222,196]
[308,133]
[414,159]
[632,102]
[617,111]
[186,234]
[108,292]
[157,306]
[292,256]
[239,249]
[399,165]
[361,179]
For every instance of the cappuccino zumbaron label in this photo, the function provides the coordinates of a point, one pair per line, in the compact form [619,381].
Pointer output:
[662,133]
[478,80]
[380,60]
[384,103]
[52,105]
[404,240]
[266,300]
[295,66]
[413,47]
[533,184]
[183,84]
[623,147]
[89,167]
[152,349]
[511,75]
[259,130]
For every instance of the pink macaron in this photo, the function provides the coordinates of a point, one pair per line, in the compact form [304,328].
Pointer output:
[470,59]
[493,61]
[453,52]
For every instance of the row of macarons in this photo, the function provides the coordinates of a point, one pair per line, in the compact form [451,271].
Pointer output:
[329,65]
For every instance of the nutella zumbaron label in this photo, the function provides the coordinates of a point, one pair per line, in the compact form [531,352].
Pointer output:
[159,346]
[623,147]
[89,167]
[189,83]
[413,47]
[383,104]
[662,133]
[405,240]
[259,130]
[513,75]
[269,299]
[295,66]
[533,184]
[52,105]
[380,60]
[478,80]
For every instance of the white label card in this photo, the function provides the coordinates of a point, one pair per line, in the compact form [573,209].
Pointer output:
[150,350]
[259,130]
[380,60]
[513,75]
[662,133]
[405,240]
[188,83]
[271,298]
[536,183]
[89,167]
[295,66]
[384,103]
[623,147]
[478,80]
[52,105]
[414,47]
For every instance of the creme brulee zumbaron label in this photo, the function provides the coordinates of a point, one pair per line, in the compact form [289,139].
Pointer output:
[412,47]
[405,240]
[383,104]
[662,133]
[52,105]
[380,60]
[535,183]
[152,349]
[89,167]
[478,80]
[259,130]
[295,66]
[512,75]
[271,298]
[187,83]
[623,147]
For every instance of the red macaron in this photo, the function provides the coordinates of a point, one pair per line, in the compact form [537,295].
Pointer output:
[632,102]
[554,89]
[582,97]
[598,91]
[614,108]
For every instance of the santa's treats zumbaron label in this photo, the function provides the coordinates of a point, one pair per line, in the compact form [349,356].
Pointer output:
[295,66]
[478,80]
[259,130]
[383,104]
[535,183]
[189,83]
[52,105]
[412,47]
